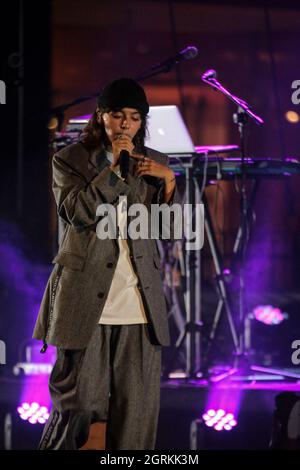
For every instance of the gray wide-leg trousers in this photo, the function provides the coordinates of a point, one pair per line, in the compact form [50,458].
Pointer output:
[115,379]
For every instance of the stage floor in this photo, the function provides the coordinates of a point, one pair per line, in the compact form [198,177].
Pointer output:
[251,398]
[183,402]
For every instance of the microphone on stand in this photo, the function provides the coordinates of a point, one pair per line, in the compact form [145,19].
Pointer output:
[124,163]
[209,74]
[188,53]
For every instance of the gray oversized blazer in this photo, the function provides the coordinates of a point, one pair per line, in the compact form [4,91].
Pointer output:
[79,283]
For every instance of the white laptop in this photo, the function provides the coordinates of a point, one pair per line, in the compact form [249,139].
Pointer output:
[167,131]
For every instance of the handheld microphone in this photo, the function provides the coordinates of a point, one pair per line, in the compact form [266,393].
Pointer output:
[124,163]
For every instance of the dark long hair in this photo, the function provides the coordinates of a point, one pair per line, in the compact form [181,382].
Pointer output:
[93,134]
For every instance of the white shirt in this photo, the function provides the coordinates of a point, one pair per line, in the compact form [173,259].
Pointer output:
[124,303]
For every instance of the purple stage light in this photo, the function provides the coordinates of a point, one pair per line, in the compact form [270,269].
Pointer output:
[33,412]
[222,407]
[269,315]
[219,420]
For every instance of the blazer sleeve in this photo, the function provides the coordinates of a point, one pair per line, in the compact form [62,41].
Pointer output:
[77,199]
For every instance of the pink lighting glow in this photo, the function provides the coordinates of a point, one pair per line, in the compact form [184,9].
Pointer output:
[33,413]
[219,420]
[269,315]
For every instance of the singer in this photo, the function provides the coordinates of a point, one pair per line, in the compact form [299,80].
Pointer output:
[104,307]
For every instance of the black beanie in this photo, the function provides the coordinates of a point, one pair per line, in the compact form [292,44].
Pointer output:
[123,93]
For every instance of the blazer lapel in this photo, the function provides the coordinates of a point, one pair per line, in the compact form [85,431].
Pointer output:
[97,158]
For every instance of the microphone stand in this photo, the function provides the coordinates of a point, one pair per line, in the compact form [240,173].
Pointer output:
[165,66]
[241,118]
[211,80]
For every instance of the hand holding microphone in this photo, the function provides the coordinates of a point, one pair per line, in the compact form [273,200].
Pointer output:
[122,148]
[121,145]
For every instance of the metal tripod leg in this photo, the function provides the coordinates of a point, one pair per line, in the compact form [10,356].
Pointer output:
[223,291]
[191,328]
[217,262]
[192,297]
